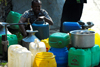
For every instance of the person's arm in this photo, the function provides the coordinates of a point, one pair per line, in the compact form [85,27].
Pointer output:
[46,17]
[48,20]
[22,27]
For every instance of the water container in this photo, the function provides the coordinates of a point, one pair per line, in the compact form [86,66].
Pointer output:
[95,55]
[61,56]
[13,17]
[69,26]
[36,47]
[43,30]
[79,57]
[45,59]
[18,56]
[30,38]
[46,41]
[59,40]
[99,54]
[97,35]
[12,38]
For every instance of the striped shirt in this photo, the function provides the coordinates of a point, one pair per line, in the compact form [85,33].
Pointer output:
[30,14]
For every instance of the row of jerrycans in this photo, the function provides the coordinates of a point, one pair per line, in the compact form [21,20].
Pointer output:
[84,57]
[36,56]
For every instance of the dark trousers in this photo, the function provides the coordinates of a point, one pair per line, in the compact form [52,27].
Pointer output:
[72,12]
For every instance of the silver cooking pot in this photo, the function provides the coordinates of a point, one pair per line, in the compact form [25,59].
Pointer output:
[82,38]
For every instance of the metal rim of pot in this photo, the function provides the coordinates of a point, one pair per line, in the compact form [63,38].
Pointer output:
[82,32]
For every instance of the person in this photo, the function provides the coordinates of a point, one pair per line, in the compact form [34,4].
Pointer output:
[72,11]
[33,14]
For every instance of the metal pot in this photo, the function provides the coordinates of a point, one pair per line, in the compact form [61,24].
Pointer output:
[82,38]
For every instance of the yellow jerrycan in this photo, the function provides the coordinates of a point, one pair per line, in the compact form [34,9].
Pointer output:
[97,35]
[36,47]
[44,59]
[46,41]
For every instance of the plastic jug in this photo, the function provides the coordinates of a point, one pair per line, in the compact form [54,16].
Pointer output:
[46,41]
[59,40]
[45,59]
[79,57]
[69,26]
[30,38]
[13,17]
[36,47]
[19,56]
[61,56]
[43,30]
[95,55]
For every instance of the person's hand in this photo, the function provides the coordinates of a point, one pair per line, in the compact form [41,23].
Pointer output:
[41,18]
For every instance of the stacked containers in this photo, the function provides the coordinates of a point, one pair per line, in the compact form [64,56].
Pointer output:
[58,42]
[83,39]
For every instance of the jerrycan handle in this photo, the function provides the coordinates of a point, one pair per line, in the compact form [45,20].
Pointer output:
[36,41]
[59,42]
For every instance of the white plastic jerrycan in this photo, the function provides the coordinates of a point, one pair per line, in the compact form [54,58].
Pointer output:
[19,56]
[36,47]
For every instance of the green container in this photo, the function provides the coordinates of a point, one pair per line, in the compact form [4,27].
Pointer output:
[95,55]
[13,17]
[59,40]
[12,40]
[79,57]
[99,54]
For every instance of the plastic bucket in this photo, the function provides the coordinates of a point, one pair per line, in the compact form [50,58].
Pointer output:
[44,59]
